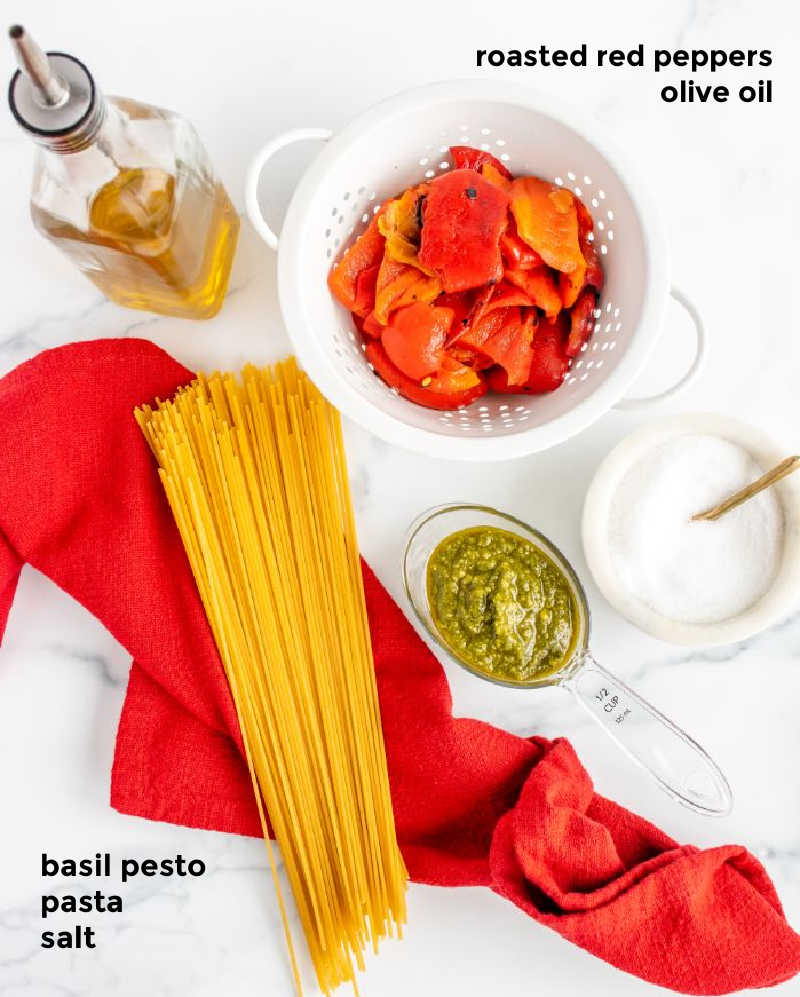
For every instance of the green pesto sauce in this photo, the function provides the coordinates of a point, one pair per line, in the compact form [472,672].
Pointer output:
[501,604]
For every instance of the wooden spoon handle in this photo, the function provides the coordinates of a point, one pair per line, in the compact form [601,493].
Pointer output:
[779,471]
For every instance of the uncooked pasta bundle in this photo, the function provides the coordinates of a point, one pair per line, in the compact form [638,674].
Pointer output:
[255,474]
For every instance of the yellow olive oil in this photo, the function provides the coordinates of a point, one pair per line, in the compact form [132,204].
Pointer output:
[153,245]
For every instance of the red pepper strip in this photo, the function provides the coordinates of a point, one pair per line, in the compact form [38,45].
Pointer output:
[461,304]
[454,378]
[540,286]
[590,275]
[450,389]
[504,337]
[414,338]
[469,356]
[547,220]
[507,295]
[495,177]
[482,303]
[466,158]
[510,345]
[549,364]
[399,222]
[468,308]
[370,326]
[594,268]
[463,217]
[398,285]
[516,252]
[581,322]
[365,291]
[570,285]
[478,332]
[366,251]
[585,220]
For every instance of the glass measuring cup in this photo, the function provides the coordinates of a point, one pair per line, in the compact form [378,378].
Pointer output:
[678,764]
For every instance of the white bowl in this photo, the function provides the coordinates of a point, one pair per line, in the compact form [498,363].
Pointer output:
[778,602]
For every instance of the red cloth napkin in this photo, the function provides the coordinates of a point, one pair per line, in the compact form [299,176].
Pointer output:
[80,500]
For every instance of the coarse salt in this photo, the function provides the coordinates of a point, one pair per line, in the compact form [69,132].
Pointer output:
[694,572]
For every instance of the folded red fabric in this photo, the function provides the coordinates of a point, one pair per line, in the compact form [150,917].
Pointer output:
[80,500]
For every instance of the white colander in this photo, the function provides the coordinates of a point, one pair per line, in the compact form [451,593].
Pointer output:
[405,139]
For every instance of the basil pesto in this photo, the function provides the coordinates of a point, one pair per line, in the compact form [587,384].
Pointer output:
[501,604]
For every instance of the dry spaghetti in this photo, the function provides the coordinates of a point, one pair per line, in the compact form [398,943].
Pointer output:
[255,474]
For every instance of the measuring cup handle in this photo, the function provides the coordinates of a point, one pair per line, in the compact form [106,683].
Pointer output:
[699,357]
[256,167]
[676,762]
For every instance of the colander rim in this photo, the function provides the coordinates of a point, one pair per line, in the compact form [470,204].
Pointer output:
[392,429]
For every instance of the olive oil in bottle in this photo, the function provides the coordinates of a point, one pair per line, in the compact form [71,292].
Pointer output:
[123,189]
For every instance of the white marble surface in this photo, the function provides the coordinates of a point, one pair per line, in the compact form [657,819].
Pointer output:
[725,177]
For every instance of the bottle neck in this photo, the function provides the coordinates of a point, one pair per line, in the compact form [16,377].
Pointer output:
[65,127]
[83,135]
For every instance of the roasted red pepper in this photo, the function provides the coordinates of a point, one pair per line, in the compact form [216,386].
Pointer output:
[399,222]
[479,331]
[507,295]
[493,176]
[581,322]
[540,286]
[462,306]
[451,388]
[365,291]
[594,268]
[414,338]
[466,158]
[549,363]
[547,220]
[366,252]
[509,346]
[479,304]
[370,326]
[591,273]
[516,252]
[585,220]
[469,356]
[398,285]
[455,379]
[570,285]
[463,217]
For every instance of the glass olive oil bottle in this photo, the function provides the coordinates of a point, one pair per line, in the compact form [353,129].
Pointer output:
[125,190]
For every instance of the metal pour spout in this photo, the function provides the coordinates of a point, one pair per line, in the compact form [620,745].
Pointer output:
[49,88]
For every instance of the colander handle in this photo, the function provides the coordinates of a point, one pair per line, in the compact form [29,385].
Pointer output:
[694,368]
[255,169]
